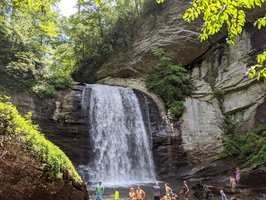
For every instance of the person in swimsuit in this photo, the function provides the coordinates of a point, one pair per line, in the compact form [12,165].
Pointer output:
[232,181]
[132,194]
[140,194]
[168,190]
[185,190]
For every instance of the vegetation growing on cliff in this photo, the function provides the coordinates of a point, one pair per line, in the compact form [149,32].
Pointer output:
[170,82]
[52,159]
[217,14]
[249,148]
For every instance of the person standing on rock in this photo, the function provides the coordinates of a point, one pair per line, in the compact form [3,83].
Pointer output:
[185,190]
[223,196]
[156,191]
[99,191]
[140,194]
[237,175]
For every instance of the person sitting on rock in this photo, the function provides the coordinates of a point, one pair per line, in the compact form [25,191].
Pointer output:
[174,196]
[167,197]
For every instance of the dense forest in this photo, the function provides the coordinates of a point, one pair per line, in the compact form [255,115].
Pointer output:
[41,50]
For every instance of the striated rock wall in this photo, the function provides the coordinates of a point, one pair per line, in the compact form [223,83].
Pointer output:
[222,89]
[165,29]
[218,72]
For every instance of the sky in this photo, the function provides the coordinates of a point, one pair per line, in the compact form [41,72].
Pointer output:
[67,7]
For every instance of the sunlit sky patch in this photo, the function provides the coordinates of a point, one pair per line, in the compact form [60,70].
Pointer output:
[67,7]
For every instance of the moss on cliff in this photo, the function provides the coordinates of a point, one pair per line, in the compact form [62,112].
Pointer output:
[52,159]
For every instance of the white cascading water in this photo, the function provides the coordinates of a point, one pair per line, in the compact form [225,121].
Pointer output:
[121,147]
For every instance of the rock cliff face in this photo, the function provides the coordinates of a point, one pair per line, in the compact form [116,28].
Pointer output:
[222,89]
[218,72]
[167,29]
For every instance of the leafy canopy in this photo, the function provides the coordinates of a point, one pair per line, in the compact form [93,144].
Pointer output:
[34,50]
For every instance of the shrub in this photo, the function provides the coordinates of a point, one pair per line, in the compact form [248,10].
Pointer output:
[44,90]
[48,86]
[60,81]
[52,158]
[170,82]
[22,71]
[249,148]
[176,109]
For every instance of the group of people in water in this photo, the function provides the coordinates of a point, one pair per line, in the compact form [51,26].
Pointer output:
[139,193]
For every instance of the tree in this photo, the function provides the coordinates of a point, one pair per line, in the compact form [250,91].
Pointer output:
[26,30]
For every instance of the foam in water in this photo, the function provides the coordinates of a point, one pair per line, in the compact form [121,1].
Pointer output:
[121,150]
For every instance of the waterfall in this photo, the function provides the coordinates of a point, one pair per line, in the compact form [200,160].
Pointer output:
[121,150]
